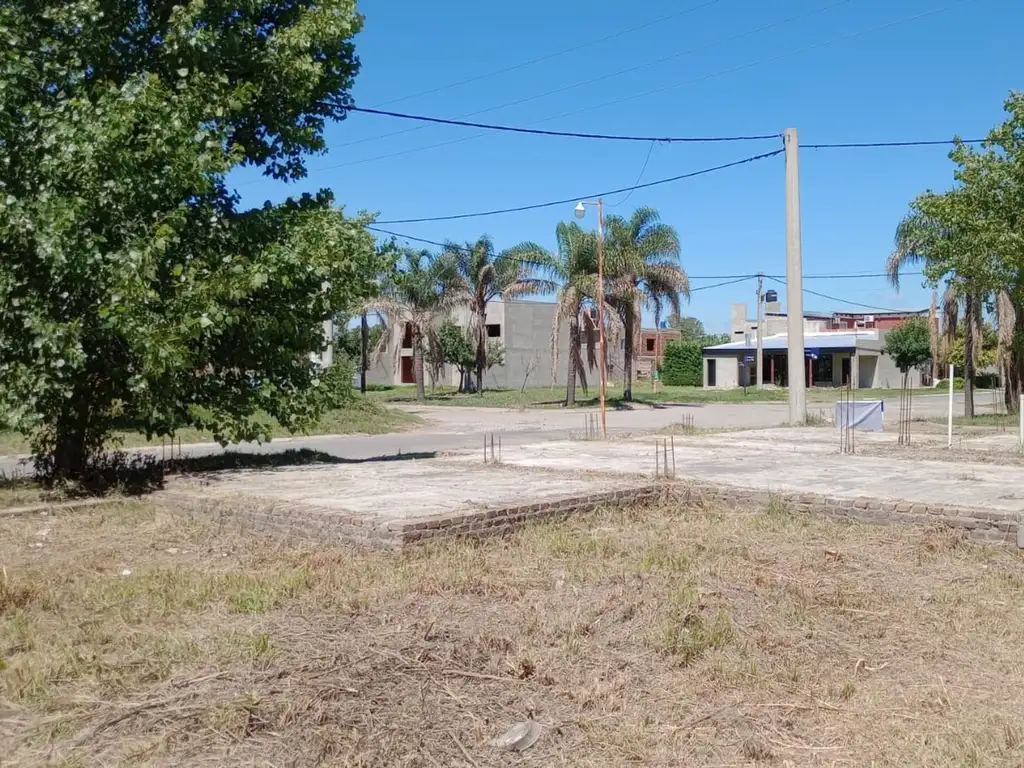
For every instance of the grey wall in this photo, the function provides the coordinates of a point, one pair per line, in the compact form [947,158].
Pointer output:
[526,328]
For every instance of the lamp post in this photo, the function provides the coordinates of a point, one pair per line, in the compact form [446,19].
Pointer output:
[581,211]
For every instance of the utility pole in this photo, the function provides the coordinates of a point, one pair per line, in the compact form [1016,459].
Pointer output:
[794,283]
[760,324]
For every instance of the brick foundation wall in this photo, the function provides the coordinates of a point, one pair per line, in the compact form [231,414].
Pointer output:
[319,526]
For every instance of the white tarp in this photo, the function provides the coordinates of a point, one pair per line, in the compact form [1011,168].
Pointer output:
[865,415]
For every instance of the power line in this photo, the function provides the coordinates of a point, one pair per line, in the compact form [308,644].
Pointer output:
[568,200]
[876,144]
[846,276]
[566,134]
[841,301]
[601,78]
[639,176]
[642,94]
[549,56]
[719,285]
[731,278]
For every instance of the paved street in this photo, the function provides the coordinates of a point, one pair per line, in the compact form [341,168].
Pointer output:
[450,428]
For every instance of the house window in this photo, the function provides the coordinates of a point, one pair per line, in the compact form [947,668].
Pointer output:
[650,345]
[407,337]
[493,331]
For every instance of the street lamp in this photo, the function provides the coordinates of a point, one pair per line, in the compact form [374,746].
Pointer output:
[581,211]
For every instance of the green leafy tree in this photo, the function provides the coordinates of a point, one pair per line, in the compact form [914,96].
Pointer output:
[456,347]
[133,287]
[683,364]
[909,344]
[421,293]
[488,274]
[642,270]
[690,328]
[938,235]
[990,187]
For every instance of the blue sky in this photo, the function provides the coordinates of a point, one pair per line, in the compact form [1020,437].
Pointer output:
[859,70]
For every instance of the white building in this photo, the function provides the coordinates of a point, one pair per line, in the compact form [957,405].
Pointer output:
[833,359]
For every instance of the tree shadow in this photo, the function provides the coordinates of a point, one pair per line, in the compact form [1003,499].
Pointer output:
[302,457]
[138,474]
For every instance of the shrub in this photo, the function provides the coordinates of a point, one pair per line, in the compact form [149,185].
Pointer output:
[683,364]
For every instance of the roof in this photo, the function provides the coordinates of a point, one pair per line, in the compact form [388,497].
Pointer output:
[779,342]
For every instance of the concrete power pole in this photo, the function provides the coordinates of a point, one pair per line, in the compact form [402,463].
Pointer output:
[760,325]
[794,283]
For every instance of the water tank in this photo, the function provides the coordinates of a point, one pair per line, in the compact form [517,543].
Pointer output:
[771,296]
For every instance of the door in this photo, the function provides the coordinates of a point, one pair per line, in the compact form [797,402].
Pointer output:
[408,374]
[711,372]
[845,380]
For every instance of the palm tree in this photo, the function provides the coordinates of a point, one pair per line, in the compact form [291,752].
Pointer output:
[487,274]
[425,288]
[572,269]
[918,239]
[643,271]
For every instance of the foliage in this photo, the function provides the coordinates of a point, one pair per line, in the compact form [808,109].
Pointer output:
[713,339]
[642,271]
[487,274]
[456,347]
[682,364]
[348,337]
[972,239]
[986,349]
[909,344]
[423,289]
[690,328]
[132,284]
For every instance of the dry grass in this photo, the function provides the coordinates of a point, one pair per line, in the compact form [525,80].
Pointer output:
[647,636]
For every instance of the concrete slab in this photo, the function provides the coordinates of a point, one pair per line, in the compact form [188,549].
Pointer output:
[790,461]
[384,491]
[388,503]
[392,502]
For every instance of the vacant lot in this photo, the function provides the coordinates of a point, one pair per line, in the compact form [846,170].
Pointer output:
[646,636]
[362,417]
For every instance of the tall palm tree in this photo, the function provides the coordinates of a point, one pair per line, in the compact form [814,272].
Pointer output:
[643,270]
[572,270]
[918,238]
[425,288]
[487,274]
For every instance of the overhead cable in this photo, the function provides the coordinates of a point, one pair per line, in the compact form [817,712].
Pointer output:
[566,134]
[842,301]
[641,94]
[568,200]
[617,73]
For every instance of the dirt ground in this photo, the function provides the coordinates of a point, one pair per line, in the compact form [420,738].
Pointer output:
[714,637]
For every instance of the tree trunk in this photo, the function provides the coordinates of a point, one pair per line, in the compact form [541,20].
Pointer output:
[364,343]
[627,356]
[969,340]
[417,362]
[71,440]
[1014,381]
[481,348]
[574,356]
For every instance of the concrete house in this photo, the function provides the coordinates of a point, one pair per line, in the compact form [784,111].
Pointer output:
[523,327]
[833,359]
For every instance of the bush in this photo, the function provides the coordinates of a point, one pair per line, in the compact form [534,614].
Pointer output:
[683,364]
